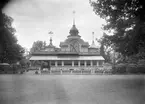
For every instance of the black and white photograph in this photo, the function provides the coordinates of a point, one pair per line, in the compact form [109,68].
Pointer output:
[72,52]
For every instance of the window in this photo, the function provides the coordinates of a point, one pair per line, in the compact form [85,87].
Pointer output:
[74,46]
[75,63]
[81,63]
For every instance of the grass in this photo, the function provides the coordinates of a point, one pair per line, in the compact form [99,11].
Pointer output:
[72,89]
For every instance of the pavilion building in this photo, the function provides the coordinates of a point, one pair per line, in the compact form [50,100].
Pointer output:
[74,54]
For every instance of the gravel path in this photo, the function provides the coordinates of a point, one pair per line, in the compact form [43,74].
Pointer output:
[72,89]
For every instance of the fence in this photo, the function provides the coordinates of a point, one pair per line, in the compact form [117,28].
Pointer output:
[71,72]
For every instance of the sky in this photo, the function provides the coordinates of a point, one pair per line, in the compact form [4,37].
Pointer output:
[34,19]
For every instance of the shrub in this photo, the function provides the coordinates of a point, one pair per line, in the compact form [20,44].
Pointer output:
[131,69]
[141,69]
[135,69]
[36,72]
[119,69]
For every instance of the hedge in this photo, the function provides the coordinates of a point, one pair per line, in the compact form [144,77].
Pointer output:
[130,68]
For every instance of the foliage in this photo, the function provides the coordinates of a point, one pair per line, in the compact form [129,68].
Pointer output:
[11,51]
[44,64]
[119,69]
[38,45]
[25,63]
[141,62]
[36,63]
[126,18]
[3,3]
[130,68]
[105,49]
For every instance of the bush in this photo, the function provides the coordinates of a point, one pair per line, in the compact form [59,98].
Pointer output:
[136,69]
[21,72]
[132,69]
[36,72]
[8,69]
[141,62]
[141,69]
[98,71]
[119,69]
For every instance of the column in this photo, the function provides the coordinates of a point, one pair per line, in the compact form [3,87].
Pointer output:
[56,63]
[62,63]
[72,63]
[85,63]
[91,63]
[97,62]
[92,68]
[49,63]
[102,63]
[79,63]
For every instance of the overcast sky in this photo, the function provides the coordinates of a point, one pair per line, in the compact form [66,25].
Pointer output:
[33,19]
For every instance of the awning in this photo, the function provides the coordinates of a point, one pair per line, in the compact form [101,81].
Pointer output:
[66,58]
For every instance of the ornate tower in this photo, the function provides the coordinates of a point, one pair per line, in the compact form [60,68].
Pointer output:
[74,31]
[93,43]
[50,43]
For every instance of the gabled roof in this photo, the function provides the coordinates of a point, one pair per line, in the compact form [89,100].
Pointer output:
[46,53]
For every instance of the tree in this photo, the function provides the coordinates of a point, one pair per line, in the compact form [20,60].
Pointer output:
[44,64]
[3,3]
[127,19]
[36,63]
[105,47]
[25,63]
[11,52]
[38,45]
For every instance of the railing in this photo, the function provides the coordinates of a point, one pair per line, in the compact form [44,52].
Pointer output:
[71,72]
[75,70]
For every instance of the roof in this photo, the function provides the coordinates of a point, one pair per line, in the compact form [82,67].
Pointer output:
[46,53]
[93,45]
[71,38]
[74,31]
[66,58]
[50,46]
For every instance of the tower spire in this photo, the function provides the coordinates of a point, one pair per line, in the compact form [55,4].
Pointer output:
[50,33]
[93,38]
[93,42]
[74,31]
[74,17]
[50,41]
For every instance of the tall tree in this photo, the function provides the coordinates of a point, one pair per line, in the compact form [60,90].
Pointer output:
[38,45]
[105,47]
[2,5]
[127,19]
[11,51]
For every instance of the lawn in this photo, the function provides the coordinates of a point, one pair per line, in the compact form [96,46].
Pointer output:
[72,89]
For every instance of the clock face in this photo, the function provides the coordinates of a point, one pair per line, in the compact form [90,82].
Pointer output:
[74,46]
